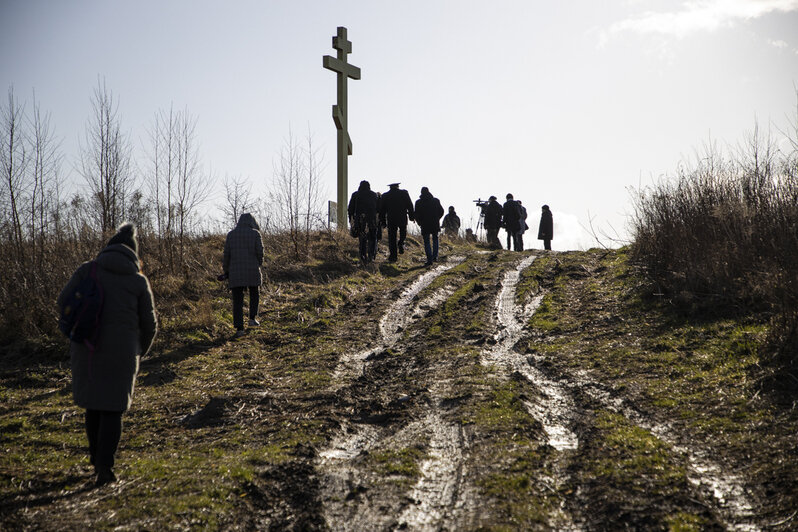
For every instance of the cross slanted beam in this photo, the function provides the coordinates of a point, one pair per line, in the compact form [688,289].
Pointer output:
[345,71]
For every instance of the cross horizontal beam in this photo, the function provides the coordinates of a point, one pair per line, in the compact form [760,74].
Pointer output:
[349,70]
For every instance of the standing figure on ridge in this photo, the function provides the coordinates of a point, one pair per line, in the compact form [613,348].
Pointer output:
[492,222]
[451,223]
[546,228]
[104,373]
[428,216]
[511,216]
[363,220]
[243,256]
[522,225]
[395,207]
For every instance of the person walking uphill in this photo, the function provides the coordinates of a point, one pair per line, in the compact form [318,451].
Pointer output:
[395,207]
[428,216]
[103,377]
[451,223]
[243,256]
[546,228]
[363,220]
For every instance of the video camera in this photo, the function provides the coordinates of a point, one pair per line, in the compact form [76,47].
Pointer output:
[480,202]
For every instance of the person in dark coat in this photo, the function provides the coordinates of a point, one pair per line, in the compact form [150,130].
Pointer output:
[243,256]
[395,207]
[363,220]
[511,218]
[428,216]
[522,225]
[103,378]
[546,228]
[451,223]
[492,212]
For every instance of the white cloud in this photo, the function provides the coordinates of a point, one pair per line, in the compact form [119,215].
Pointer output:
[778,44]
[698,15]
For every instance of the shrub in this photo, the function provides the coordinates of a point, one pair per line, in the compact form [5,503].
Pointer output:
[723,235]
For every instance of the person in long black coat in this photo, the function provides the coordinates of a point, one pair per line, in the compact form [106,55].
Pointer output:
[492,213]
[363,220]
[546,228]
[511,216]
[428,216]
[395,207]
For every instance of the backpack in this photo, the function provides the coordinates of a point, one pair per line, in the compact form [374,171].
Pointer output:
[80,315]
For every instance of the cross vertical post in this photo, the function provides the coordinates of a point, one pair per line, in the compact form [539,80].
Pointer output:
[339,114]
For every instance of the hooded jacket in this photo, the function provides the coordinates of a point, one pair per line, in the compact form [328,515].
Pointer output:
[105,378]
[243,253]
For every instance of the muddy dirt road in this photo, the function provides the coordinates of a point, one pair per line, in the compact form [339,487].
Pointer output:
[495,390]
[420,426]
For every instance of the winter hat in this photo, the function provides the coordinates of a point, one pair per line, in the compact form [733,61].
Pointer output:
[126,234]
[424,190]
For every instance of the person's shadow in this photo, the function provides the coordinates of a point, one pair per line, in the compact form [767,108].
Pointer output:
[45,493]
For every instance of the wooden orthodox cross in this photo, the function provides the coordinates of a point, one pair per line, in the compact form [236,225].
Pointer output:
[339,113]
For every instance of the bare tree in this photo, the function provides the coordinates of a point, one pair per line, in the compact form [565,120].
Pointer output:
[177,182]
[295,190]
[45,165]
[105,161]
[238,198]
[313,199]
[287,188]
[193,185]
[13,163]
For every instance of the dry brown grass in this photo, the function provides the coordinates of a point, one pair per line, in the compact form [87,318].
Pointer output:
[722,238]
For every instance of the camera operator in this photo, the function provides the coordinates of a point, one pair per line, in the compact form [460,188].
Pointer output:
[493,221]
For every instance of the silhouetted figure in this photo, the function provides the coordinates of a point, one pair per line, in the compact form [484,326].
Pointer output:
[243,256]
[546,228]
[103,377]
[470,236]
[492,212]
[511,218]
[428,216]
[451,223]
[522,225]
[395,207]
[363,220]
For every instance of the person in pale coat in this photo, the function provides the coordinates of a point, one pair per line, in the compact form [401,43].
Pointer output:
[103,379]
[243,256]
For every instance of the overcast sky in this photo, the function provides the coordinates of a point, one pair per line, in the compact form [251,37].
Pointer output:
[566,103]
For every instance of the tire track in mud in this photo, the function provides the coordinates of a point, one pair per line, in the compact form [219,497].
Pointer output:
[392,324]
[554,410]
[442,498]
[439,493]
[724,492]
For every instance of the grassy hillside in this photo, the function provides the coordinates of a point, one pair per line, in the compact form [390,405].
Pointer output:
[233,434]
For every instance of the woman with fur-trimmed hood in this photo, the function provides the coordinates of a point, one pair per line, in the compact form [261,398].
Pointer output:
[103,377]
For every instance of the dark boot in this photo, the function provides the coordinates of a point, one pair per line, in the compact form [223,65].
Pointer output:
[105,476]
